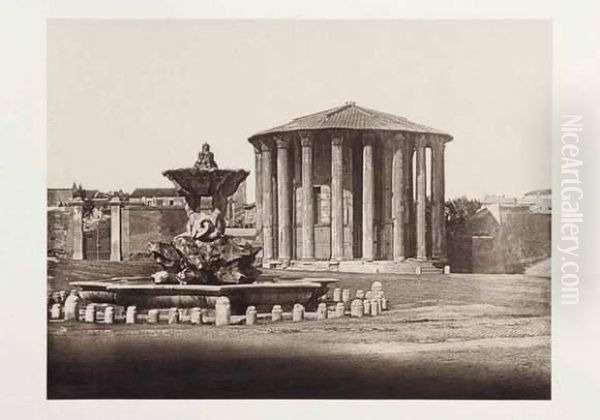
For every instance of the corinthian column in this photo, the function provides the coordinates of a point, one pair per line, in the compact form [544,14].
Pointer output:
[398,198]
[409,216]
[258,168]
[421,198]
[438,222]
[308,198]
[386,234]
[284,210]
[337,197]
[368,198]
[267,201]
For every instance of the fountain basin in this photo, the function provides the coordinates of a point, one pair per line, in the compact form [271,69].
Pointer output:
[263,294]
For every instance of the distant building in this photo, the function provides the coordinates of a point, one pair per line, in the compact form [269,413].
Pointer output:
[58,197]
[100,199]
[247,216]
[236,207]
[157,197]
[537,201]
[498,199]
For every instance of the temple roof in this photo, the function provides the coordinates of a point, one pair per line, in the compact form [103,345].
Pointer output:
[353,117]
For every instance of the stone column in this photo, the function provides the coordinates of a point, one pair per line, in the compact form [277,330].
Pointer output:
[115,229]
[284,210]
[438,222]
[421,198]
[386,241]
[258,168]
[337,197]
[368,198]
[267,201]
[409,216]
[398,198]
[308,198]
[77,204]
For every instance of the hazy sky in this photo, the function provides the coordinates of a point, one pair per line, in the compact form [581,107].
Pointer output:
[128,99]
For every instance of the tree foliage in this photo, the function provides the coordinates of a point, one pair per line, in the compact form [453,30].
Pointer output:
[88,202]
[459,209]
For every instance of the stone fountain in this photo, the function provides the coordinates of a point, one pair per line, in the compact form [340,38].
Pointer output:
[204,262]
[204,254]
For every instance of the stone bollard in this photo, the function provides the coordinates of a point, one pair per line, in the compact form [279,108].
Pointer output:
[298,313]
[204,316]
[56,311]
[173,316]
[222,311]
[131,315]
[340,309]
[72,306]
[337,294]
[366,307]
[90,313]
[357,309]
[196,316]
[418,270]
[109,315]
[153,316]
[374,307]
[376,287]
[184,315]
[384,304]
[446,269]
[379,306]
[346,295]
[251,315]
[276,313]
[360,294]
[322,311]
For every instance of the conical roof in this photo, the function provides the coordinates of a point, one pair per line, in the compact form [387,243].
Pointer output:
[352,117]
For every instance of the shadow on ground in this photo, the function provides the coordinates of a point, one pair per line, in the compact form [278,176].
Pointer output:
[450,337]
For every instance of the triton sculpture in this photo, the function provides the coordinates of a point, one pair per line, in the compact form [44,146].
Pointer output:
[204,254]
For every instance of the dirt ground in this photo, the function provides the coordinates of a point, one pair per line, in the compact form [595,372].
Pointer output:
[456,336]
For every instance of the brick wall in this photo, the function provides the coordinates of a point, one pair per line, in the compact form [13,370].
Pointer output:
[60,232]
[143,224]
[481,245]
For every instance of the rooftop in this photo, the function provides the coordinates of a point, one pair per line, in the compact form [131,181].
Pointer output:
[154,192]
[545,191]
[353,117]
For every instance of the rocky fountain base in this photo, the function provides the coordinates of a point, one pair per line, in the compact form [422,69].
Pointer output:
[203,263]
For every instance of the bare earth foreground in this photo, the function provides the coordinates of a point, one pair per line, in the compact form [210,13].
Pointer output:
[453,336]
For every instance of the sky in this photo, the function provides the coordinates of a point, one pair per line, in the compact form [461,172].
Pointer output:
[128,99]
